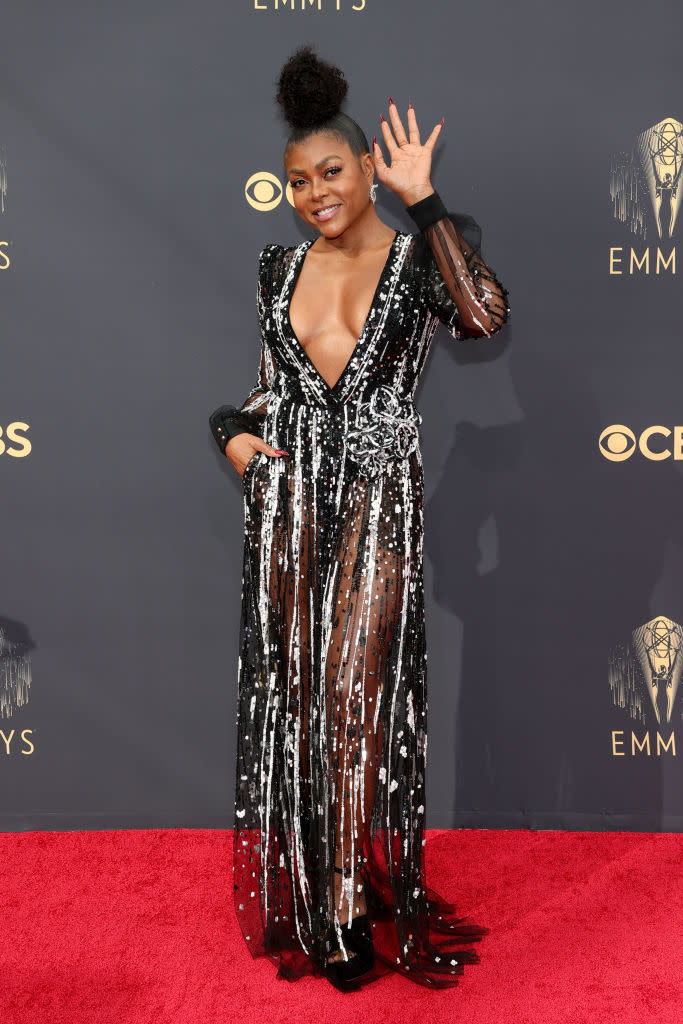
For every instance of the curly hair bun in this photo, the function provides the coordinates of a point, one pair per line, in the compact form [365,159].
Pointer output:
[310,91]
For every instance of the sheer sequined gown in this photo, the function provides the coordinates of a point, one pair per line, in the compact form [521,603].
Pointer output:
[332,672]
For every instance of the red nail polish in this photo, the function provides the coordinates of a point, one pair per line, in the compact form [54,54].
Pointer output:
[409,105]
[381,117]
[390,101]
[374,141]
[442,120]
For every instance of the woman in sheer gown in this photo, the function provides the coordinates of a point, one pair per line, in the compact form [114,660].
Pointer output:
[330,804]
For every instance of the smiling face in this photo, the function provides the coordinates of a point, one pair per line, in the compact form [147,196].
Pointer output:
[329,183]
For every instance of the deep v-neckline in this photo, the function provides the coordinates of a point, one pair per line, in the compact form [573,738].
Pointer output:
[298,266]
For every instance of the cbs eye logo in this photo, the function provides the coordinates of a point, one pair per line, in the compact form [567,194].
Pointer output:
[263,191]
[618,443]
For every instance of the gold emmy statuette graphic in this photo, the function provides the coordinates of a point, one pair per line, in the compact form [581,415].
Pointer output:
[661,157]
[15,667]
[645,673]
[652,171]
[3,179]
[4,244]
[658,647]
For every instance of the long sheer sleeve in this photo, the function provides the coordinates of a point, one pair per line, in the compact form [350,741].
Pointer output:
[229,420]
[460,289]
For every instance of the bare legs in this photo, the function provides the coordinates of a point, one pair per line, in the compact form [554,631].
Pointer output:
[363,622]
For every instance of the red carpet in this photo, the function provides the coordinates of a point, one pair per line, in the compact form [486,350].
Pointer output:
[137,927]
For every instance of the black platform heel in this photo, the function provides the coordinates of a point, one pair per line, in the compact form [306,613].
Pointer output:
[344,974]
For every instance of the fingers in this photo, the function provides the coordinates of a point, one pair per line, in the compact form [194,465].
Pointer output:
[259,445]
[393,144]
[399,138]
[396,123]
[269,450]
[435,132]
[388,137]
[380,163]
[413,130]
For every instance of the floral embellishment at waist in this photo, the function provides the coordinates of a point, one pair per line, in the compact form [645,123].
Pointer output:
[385,428]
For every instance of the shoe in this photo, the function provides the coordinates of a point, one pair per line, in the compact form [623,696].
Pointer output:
[345,974]
[361,930]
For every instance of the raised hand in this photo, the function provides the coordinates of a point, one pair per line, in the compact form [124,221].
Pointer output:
[408,175]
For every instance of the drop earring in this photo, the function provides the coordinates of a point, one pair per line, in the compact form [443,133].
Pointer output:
[373,192]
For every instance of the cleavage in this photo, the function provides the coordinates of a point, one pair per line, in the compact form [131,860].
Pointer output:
[329,307]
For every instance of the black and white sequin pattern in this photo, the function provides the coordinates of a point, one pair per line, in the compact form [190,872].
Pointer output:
[332,682]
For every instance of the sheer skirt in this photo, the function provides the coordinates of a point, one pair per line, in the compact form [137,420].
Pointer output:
[332,714]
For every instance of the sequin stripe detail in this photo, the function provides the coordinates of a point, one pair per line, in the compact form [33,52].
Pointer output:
[267,748]
[294,656]
[407,518]
[455,260]
[312,385]
[250,467]
[368,349]
[422,347]
[268,373]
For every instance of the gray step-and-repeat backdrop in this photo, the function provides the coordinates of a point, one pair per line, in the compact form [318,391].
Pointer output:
[140,174]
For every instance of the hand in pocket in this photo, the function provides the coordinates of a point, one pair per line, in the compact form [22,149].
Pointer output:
[244,447]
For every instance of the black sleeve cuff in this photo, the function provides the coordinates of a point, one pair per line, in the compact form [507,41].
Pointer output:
[228,421]
[427,211]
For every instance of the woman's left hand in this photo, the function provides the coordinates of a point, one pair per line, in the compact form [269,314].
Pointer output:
[411,161]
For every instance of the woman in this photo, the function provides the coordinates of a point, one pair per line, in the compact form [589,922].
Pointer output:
[332,734]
